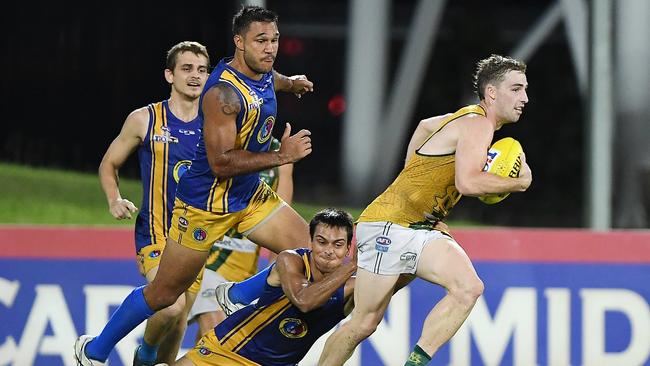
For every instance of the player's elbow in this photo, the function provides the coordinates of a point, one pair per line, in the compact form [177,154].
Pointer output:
[219,171]
[304,305]
[220,168]
[467,187]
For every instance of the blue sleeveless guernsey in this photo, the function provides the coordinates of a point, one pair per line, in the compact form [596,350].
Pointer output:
[164,155]
[200,188]
[273,332]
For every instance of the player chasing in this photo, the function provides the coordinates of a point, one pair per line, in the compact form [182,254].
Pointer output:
[395,236]
[165,135]
[222,189]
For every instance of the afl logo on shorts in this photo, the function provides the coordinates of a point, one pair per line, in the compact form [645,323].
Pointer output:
[180,168]
[382,243]
[199,234]
[293,328]
[183,224]
[154,254]
[265,131]
[204,351]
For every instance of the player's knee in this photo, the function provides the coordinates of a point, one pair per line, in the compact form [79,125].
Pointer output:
[174,310]
[161,297]
[469,291]
[366,325]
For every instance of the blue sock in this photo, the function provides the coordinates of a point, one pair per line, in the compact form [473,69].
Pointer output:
[147,353]
[133,311]
[250,289]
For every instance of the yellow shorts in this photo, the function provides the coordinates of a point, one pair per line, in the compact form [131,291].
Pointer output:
[196,285]
[149,258]
[198,229]
[208,352]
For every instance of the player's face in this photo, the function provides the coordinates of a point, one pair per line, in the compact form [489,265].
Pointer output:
[511,96]
[261,46]
[329,247]
[189,75]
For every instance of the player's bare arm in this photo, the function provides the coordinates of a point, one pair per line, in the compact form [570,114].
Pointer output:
[424,129]
[348,294]
[220,108]
[296,84]
[285,183]
[130,137]
[475,134]
[306,295]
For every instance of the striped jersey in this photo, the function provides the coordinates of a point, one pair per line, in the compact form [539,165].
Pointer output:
[235,257]
[273,332]
[254,124]
[164,155]
[425,190]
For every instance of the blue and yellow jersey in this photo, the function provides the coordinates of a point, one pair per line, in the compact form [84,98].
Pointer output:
[200,188]
[425,190]
[273,332]
[235,257]
[165,154]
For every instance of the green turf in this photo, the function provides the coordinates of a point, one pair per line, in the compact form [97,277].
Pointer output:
[49,196]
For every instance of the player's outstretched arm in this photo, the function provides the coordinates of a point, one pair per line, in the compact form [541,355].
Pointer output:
[131,136]
[296,84]
[221,105]
[305,295]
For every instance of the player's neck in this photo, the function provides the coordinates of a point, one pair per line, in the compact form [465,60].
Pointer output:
[490,114]
[240,65]
[316,273]
[183,108]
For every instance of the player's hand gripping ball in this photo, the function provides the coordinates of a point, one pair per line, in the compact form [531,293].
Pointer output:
[503,159]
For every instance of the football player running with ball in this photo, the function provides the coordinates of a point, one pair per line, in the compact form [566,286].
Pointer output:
[399,233]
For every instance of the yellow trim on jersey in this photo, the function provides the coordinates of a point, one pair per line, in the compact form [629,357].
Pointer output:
[475,108]
[251,116]
[158,179]
[250,119]
[305,259]
[208,352]
[237,338]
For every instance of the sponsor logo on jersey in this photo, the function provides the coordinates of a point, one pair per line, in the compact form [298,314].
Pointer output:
[166,136]
[186,132]
[382,243]
[181,167]
[256,103]
[265,130]
[293,328]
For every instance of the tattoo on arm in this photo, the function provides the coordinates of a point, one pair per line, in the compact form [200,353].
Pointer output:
[228,99]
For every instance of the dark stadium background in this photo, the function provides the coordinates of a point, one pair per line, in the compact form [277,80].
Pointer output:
[72,73]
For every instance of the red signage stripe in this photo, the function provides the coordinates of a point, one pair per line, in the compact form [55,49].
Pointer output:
[66,242]
[555,245]
[501,244]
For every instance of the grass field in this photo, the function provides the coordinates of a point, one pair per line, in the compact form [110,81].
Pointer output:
[56,197]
